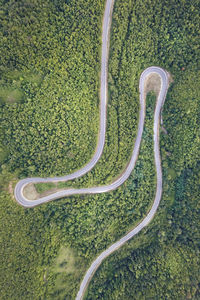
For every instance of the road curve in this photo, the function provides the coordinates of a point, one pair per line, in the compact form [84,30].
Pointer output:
[102,130]
[164,77]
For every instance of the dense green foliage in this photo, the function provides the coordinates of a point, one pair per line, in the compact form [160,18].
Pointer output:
[49,85]
[55,66]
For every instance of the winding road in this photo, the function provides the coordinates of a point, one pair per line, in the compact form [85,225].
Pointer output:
[164,78]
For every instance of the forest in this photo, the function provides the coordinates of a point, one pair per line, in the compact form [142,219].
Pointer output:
[49,121]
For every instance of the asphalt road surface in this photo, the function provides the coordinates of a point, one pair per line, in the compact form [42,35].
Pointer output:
[164,77]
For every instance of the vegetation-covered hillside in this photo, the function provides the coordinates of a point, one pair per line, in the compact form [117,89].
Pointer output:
[49,98]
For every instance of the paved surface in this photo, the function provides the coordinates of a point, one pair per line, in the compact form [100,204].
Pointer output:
[94,190]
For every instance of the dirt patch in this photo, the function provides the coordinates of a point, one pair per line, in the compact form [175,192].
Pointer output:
[152,83]
[10,189]
[49,192]
[30,192]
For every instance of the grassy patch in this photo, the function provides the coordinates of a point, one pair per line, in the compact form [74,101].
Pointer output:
[13,83]
[10,95]
[171,174]
[34,78]
[43,187]
[65,271]
[65,261]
